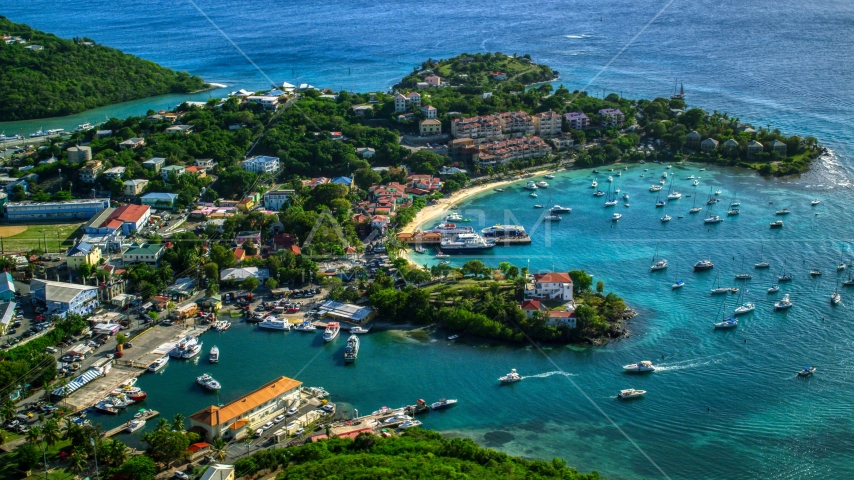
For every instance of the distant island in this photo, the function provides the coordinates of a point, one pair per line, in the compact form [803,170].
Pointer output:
[42,75]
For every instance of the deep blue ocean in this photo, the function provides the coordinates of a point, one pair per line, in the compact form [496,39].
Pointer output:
[719,407]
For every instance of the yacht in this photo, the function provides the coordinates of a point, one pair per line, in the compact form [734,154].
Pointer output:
[599,193]
[40,133]
[134,425]
[611,203]
[674,196]
[841,266]
[631,393]
[453,217]
[728,323]
[745,308]
[213,357]
[807,371]
[761,265]
[594,184]
[548,176]
[184,346]
[774,289]
[531,185]
[273,323]
[659,265]
[815,202]
[443,403]
[616,217]
[450,229]
[743,276]
[55,131]
[783,304]
[713,219]
[815,273]
[192,351]
[695,210]
[84,126]
[511,377]
[664,175]
[784,211]
[552,218]
[644,366]
[305,326]
[703,265]
[542,184]
[677,285]
[351,351]
[410,424]
[835,298]
[466,243]
[158,364]
[776,224]
[666,218]
[332,329]
[208,382]
[559,209]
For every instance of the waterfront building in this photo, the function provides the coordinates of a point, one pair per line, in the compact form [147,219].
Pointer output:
[577,120]
[430,127]
[159,200]
[68,209]
[611,117]
[79,154]
[346,312]
[176,169]
[274,199]
[240,417]
[548,123]
[731,146]
[104,133]
[82,253]
[155,163]
[754,147]
[115,173]
[90,171]
[492,153]
[149,253]
[7,287]
[239,274]
[693,139]
[60,298]
[7,316]
[132,143]
[561,317]
[563,142]
[476,127]
[261,164]
[551,286]
[778,147]
[530,307]
[134,187]
[708,144]
[519,123]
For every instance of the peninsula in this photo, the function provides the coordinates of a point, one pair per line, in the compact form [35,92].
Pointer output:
[42,75]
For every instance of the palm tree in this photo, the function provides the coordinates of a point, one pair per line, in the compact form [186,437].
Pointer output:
[50,432]
[162,424]
[219,449]
[77,461]
[34,435]
[8,411]
[3,437]
[115,452]
[178,422]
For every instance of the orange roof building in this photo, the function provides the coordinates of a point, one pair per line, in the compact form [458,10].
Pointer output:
[242,416]
[129,218]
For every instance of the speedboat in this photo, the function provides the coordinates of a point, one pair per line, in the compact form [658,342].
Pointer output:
[511,377]
[745,308]
[835,298]
[783,304]
[703,265]
[678,284]
[359,330]
[610,179]
[332,329]
[784,211]
[625,196]
[718,191]
[594,184]
[453,217]
[631,393]
[551,218]
[713,219]
[599,193]
[774,289]
[443,403]
[533,194]
[559,209]
[644,366]
[539,205]
[83,127]
[728,323]
[840,267]
[208,382]
[815,202]
[134,425]
[807,371]
[410,424]
[213,357]
[666,218]
[654,188]
[549,176]
[695,182]
[616,217]
[158,364]
[542,184]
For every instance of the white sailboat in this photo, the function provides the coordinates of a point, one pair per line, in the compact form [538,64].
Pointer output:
[679,283]
[661,264]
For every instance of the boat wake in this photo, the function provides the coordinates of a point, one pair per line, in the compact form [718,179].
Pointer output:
[549,374]
[577,37]
[685,365]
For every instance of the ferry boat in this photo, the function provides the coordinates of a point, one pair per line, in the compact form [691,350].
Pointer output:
[703,265]
[83,127]
[504,231]
[158,364]
[305,326]
[134,425]
[559,209]
[531,185]
[630,393]
[273,323]
[644,366]
[466,243]
[511,377]
[443,403]
[213,357]
[208,382]
[351,351]
[332,329]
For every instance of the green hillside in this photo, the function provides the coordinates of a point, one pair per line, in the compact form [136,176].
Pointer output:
[71,76]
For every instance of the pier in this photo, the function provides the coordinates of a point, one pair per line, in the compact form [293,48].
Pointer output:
[146,415]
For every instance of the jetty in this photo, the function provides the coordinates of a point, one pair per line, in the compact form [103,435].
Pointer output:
[146,415]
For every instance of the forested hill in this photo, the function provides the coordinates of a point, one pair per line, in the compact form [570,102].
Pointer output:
[70,76]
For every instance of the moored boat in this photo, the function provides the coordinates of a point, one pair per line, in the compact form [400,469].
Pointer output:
[351,351]
[783,304]
[332,329]
[639,367]
[807,371]
[213,356]
[158,364]
[630,393]
[208,382]
[134,425]
[443,403]
[703,265]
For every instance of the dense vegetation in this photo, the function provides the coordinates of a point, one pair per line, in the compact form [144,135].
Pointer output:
[71,76]
[415,454]
[476,70]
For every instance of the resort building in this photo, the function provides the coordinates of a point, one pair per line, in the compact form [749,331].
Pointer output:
[551,286]
[266,101]
[563,142]
[134,187]
[155,163]
[778,147]
[90,171]
[60,298]
[274,199]
[79,154]
[159,200]
[611,117]
[68,209]
[530,307]
[476,127]
[754,147]
[261,164]
[731,146]
[176,169]
[430,127]
[149,253]
[577,120]
[242,416]
[708,145]
[548,124]
[492,153]
[7,287]
[82,253]
[693,139]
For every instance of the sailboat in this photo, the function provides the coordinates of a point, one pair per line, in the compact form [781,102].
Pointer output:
[762,263]
[712,218]
[680,95]
[612,200]
[744,307]
[849,282]
[679,283]
[658,201]
[718,288]
[835,297]
[695,208]
[730,322]
[666,218]
[735,203]
[743,275]
[671,195]
[661,264]
[784,277]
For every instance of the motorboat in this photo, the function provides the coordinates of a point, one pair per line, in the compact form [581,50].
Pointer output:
[40,133]
[158,364]
[594,184]
[552,218]
[511,377]
[359,330]
[835,298]
[783,304]
[625,196]
[761,265]
[192,351]
[539,205]
[305,326]
[630,393]
[531,185]
[83,127]
[106,407]
[643,366]
[273,323]
[674,196]
[351,351]
[774,289]
[663,174]
[733,212]
[442,255]
[654,188]
[695,183]
[548,176]
[713,219]
[815,202]
[137,396]
[599,193]
[213,356]
[691,177]
[666,218]
[420,249]
[453,337]
[662,181]
[728,323]
[610,179]
[332,329]
[815,273]
[745,308]
[443,403]
[498,189]
[533,194]
[542,184]
[410,424]
[559,209]
[677,285]
[208,382]
[703,265]
[134,425]
[616,217]
[807,371]
[784,211]
[453,217]
[718,191]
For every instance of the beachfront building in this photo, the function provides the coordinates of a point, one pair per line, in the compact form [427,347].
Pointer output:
[67,209]
[82,253]
[274,199]
[548,124]
[134,187]
[754,147]
[149,253]
[240,417]
[261,164]
[731,146]
[693,139]
[518,123]
[155,163]
[60,298]
[78,154]
[346,312]
[159,200]
[492,153]
[708,145]
[778,147]
[577,120]
[550,286]
[7,287]
[90,171]
[611,117]
[430,127]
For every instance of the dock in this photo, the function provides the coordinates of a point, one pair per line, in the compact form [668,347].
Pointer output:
[147,415]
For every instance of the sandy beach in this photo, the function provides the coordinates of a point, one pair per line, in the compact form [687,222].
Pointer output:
[431,212]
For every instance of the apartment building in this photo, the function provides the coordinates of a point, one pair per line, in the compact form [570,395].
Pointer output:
[548,124]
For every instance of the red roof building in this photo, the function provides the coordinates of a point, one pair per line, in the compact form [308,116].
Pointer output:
[128,217]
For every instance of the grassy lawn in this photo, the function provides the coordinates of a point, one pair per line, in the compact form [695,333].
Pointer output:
[21,237]
[53,474]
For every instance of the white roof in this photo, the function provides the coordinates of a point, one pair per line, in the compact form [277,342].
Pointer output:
[244,273]
[59,291]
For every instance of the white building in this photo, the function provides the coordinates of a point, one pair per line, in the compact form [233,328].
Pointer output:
[68,209]
[274,199]
[60,298]
[262,164]
[115,173]
[268,102]
[429,111]
[551,286]
[548,123]
[400,103]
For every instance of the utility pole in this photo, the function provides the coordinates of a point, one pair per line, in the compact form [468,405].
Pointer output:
[92,441]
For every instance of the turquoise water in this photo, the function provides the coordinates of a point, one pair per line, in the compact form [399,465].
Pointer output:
[769,423]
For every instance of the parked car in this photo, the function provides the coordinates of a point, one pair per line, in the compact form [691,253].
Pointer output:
[181,475]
